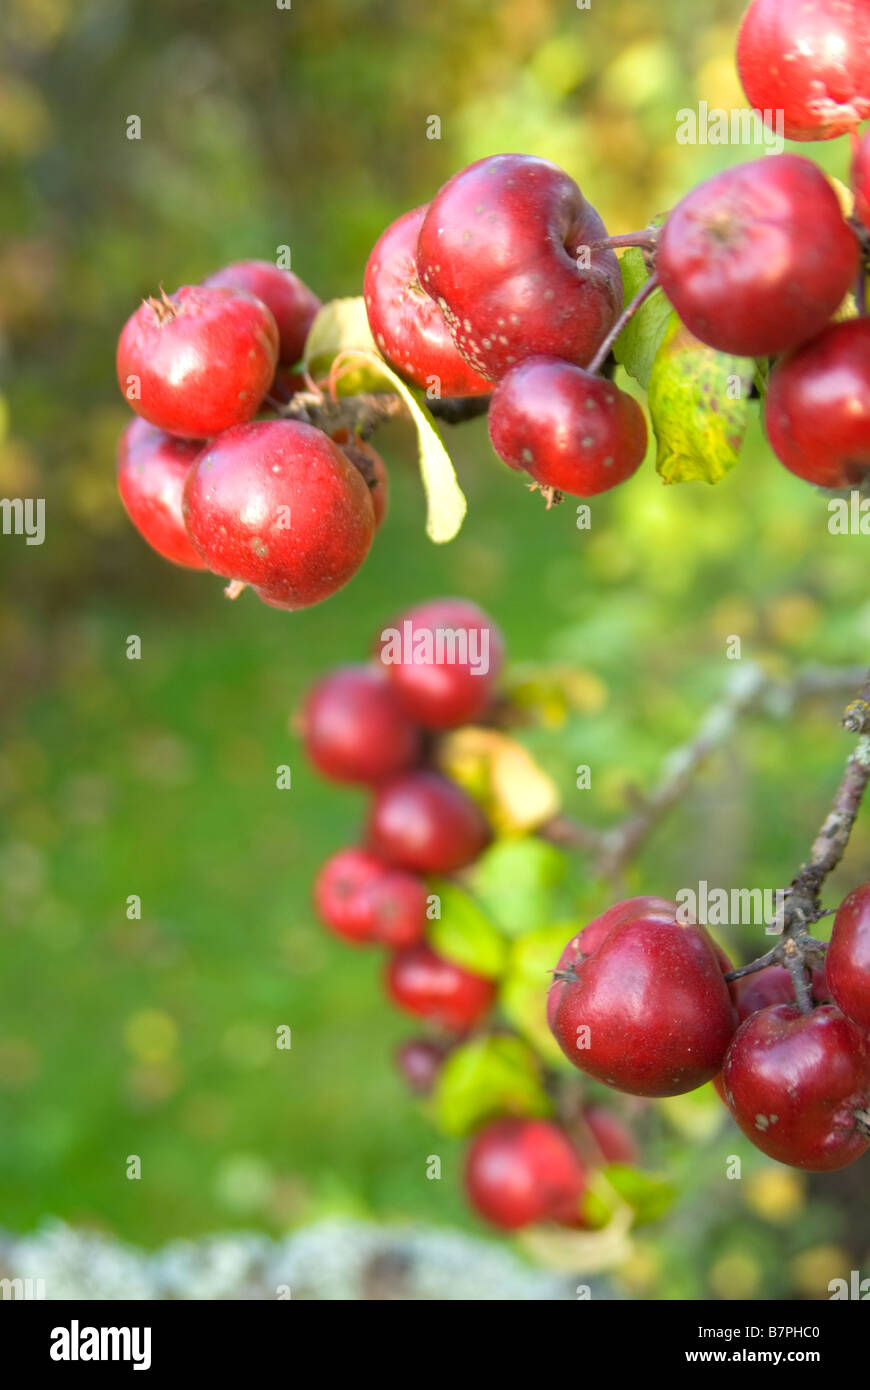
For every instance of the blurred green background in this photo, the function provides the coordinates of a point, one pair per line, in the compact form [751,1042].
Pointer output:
[262,127]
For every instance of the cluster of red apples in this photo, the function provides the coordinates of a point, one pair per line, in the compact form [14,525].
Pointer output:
[758,260]
[640,1002]
[272,503]
[504,284]
[377,726]
[507,285]
[507,281]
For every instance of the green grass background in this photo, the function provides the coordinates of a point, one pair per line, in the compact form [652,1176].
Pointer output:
[157,777]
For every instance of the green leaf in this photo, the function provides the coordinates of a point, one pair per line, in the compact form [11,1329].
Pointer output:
[698,400]
[516,882]
[523,995]
[648,1195]
[342,323]
[638,343]
[486,1078]
[464,934]
[339,326]
[445,500]
[343,326]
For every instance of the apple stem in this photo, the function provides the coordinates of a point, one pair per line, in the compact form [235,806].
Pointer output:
[646,239]
[754,965]
[861,291]
[625,317]
[234,588]
[862,1118]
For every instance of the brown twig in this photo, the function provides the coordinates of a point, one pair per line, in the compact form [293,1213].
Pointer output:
[362,414]
[627,314]
[752,690]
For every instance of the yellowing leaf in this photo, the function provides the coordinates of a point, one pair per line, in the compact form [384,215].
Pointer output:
[342,326]
[698,400]
[518,795]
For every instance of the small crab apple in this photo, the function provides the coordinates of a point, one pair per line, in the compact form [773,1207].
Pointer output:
[443,659]
[817,409]
[276,504]
[198,361]
[612,1137]
[591,937]
[338,893]
[425,984]
[424,822]
[294,306]
[508,252]
[362,898]
[807,62]
[406,323]
[756,259]
[419,1061]
[355,729]
[797,1084]
[152,470]
[520,1171]
[572,431]
[395,904]
[847,963]
[646,1009]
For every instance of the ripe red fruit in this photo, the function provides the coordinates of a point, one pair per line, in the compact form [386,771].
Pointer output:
[198,361]
[423,983]
[794,1081]
[847,963]
[502,252]
[773,985]
[817,409]
[276,504]
[861,179]
[152,469]
[422,821]
[591,937]
[293,305]
[338,891]
[522,1171]
[648,1011]
[355,729]
[614,1141]
[745,267]
[406,323]
[569,429]
[362,898]
[419,1061]
[395,904]
[443,659]
[809,59]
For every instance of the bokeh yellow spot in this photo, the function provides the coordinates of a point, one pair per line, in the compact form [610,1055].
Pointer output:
[640,1270]
[735,1275]
[151,1036]
[794,617]
[775,1194]
[813,1269]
